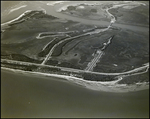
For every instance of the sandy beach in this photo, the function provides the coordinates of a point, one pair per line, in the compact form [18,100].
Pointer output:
[26,95]
[36,94]
[109,86]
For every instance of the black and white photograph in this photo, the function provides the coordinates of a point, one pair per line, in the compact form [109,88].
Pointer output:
[75,59]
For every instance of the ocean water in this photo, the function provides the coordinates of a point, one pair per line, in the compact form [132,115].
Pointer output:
[23,95]
[37,96]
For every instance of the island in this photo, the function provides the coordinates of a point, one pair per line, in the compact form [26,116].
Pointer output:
[100,45]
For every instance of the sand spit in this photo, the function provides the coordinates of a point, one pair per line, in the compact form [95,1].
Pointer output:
[108,86]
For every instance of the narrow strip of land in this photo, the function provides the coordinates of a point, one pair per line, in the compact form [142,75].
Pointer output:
[139,70]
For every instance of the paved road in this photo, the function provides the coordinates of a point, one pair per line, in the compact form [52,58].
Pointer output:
[53,48]
[92,64]
[135,71]
[51,11]
[97,56]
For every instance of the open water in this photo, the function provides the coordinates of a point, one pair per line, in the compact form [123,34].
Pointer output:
[33,96]
[24,95]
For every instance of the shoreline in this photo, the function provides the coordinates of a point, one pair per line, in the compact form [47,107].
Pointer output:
[91,85]
[109,86]
[5,24]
